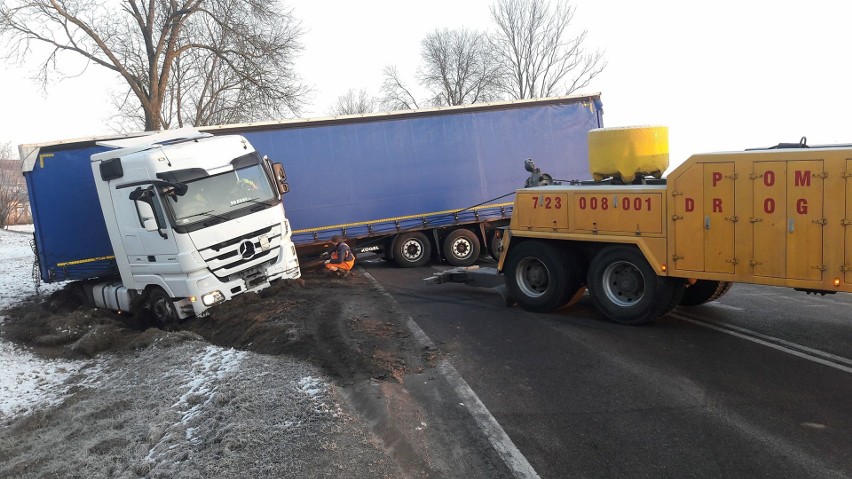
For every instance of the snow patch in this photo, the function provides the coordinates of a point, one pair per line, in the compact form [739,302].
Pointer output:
[312,386]
[27,383]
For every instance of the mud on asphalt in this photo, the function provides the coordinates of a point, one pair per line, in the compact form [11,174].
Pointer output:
[344,326]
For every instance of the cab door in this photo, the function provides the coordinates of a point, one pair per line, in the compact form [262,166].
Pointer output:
[148,249]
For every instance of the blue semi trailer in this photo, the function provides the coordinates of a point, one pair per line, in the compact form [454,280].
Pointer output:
[425,184]
[412,185]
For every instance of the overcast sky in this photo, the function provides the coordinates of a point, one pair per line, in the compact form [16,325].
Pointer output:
[722,75]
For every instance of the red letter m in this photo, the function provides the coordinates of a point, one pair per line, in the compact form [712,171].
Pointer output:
[803,178]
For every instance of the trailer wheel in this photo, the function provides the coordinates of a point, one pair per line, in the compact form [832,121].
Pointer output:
[163,312]
[541,277]
[626,289]
[704,291]
[412,249]
[461,247]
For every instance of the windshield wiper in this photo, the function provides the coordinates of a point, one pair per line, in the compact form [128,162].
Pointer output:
[179,188]
[252,200]
[208,213]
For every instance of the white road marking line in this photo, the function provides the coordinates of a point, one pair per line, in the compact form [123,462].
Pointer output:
[804,352]
[506,449]
[724,306]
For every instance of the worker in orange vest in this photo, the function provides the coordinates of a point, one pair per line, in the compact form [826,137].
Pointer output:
[341,257]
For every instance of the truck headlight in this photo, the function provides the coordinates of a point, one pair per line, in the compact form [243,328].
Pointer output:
[212,298]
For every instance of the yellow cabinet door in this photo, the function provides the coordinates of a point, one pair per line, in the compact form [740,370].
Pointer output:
[769,218]
[719,217]
[688,219]
[847,220]
[805,222]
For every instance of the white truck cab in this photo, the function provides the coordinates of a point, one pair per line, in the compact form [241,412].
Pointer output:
[193,219]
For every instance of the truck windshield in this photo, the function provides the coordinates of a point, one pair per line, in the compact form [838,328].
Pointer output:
[222,194]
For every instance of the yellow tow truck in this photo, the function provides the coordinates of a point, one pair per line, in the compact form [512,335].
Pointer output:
[641,245]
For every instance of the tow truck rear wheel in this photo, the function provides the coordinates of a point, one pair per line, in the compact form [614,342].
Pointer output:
[162,310]
[626,289]
[704,291]
[461,247]
[541,277]
[412,249]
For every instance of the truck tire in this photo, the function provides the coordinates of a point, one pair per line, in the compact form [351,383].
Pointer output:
[495,241]
[704,291]
[461,247]
[412,250]
[541,277]
[162,310]
[625,288]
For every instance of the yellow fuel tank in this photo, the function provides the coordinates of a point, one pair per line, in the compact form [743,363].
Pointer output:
[628,152]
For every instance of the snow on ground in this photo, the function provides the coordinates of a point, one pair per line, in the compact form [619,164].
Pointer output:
[16,279]
[29,383]
[26,381]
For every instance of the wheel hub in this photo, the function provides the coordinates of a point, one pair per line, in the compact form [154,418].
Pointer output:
[412,250]
[461,248]
[623,283]
[533,277]
[627,283]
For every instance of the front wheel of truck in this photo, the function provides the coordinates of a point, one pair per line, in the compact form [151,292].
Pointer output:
[162,309]
[541,277]
[626,289]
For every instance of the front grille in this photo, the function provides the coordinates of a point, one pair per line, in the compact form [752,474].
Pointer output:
[236,257]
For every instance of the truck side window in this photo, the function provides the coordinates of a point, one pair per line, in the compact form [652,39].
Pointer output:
[145,212]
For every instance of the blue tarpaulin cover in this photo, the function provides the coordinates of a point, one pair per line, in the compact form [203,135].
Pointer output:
[358,175]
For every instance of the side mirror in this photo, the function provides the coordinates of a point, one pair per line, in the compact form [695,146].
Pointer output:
[137,194]
[280,178]
[150,224]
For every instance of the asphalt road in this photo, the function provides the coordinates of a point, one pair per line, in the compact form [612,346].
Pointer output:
[758,384]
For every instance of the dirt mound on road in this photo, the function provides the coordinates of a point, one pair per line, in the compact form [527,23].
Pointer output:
[343,325]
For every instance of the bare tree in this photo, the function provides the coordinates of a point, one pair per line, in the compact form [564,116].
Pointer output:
[236,55]
[534,44]
[354,103]
[459,67]
[396,94]
[14,202]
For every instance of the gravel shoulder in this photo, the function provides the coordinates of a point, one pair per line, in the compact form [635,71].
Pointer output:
[306,380]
